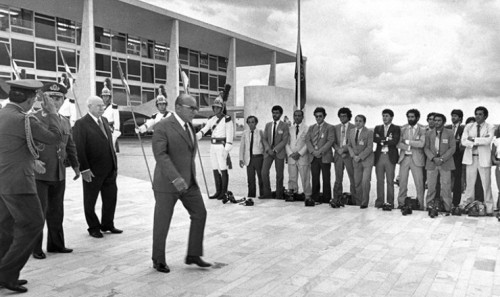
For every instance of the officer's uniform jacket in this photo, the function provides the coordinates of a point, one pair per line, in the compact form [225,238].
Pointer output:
[221,130]
[155,119]
[112,114]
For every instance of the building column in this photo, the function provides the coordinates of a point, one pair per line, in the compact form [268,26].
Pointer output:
[85,80]
[272,71]
[231,72]
[172,86]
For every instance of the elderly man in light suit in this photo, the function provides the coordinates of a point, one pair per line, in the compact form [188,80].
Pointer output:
[319,140]
[411,157]
[477,138]
[299,159]
[361,151]
[439,149]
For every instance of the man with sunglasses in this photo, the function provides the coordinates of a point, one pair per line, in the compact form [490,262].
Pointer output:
[51,176]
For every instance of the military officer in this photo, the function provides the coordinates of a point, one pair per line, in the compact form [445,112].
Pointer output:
[163,113]
[222,129]
[51,181]
[21,217]
[111,113]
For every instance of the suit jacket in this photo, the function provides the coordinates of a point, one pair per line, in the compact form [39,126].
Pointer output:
[459,150]
[394,133]
[17,174]
[282,135]
[245,144]
[364,147]
[297,143]
[483,143]
[416,144]
[447,148]
[54,155]
[174,153]
[341,152]
[326,139]
[95,151]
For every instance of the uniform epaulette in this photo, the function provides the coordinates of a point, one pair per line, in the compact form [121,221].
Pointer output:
[71,100]
[228,118]
[211,117]
[114,105]
[154,116]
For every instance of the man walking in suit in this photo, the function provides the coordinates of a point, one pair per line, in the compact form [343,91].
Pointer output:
[411,157]
[298,157]
[319,140]
[174,149]
[51,181]
[360,147]
[342,158]
[456,175]
[251,155]
[386,156]
[21,216]
[477,138]
[439,149]
[275,138]
[96,154]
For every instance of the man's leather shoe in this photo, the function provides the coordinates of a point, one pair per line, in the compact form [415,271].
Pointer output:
[16,288]
[62,250]
[40,255]
[363,206]
[20,282]
[96,234]
[112,230]
[197,260]
[161,267]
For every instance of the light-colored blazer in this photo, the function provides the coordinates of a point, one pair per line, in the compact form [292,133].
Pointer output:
[326,138]
[446,149]
[416,145]
[483,143]
[245,144]
[298,144]
[364,147]
[282,134]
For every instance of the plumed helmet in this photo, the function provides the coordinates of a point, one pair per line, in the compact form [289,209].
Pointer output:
[162,95]
[218,102]
[106,89]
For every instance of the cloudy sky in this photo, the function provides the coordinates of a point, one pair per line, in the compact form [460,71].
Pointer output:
[371,54]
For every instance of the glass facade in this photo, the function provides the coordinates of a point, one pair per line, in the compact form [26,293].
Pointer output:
[47,39]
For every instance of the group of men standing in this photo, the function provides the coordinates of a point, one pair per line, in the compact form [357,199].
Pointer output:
[434,154]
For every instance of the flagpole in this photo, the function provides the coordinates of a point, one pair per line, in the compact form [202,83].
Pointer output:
[13,64]
[127,91]
[299,66]
[73,83]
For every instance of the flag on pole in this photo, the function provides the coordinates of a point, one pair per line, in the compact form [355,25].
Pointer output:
[300,82]
[184,78]
[13,64]
[124,82]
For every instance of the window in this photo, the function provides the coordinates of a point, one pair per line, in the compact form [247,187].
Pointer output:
[45,27]
[4,56]
[45,59]
[204,80]
[115,71]
[69,58]
[204,99]
[147,95]
[134,69]
[222,81]
[147,49]
[46,79]
[213,86]
[118,42]
[193,59]
[194,78]
[160,74]
[161,51]
[135,95]
[102,38]
[4,18]
[23,50]
[66,30]
[204,61]
[134,46]
[21,21]
[183,55]
[222,64]
[147,73]
[103,65]
[212,63]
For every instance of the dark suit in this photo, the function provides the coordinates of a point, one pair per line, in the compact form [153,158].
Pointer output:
[52,184]
[386,160]
[96,152]
[322,165]
[21,217]
[175,154]
[456,174]
[279,146]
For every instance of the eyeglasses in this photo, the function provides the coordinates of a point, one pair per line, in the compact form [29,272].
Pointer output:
[193,108]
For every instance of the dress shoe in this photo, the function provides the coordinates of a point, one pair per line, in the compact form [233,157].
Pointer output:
[39,255]
[112,230]
[160,267]
[60,250]
[197,260]
[20,282]
[96,234]
[363,206]
[16,288]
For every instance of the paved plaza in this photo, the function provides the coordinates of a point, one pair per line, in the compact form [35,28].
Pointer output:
[274,248]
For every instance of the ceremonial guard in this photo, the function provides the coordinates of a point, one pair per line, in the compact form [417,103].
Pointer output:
[222,129]
[51,181]
[68,109]
[163,113]
[111,113]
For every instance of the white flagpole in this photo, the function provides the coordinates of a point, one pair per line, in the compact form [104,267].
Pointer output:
[299,67]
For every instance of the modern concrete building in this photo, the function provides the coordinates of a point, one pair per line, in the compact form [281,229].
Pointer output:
[149,43]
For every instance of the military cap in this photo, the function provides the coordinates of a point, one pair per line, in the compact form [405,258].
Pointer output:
[25,84]
[54,87]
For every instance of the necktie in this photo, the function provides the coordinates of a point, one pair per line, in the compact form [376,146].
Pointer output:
[274,133]
[356,137]
[385,130]
[316,136]
[186,127]
[343,135]
[411,133]
[297,131]
[437,143]
[251,145]
[454,130]
[102,127]
[478,130]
